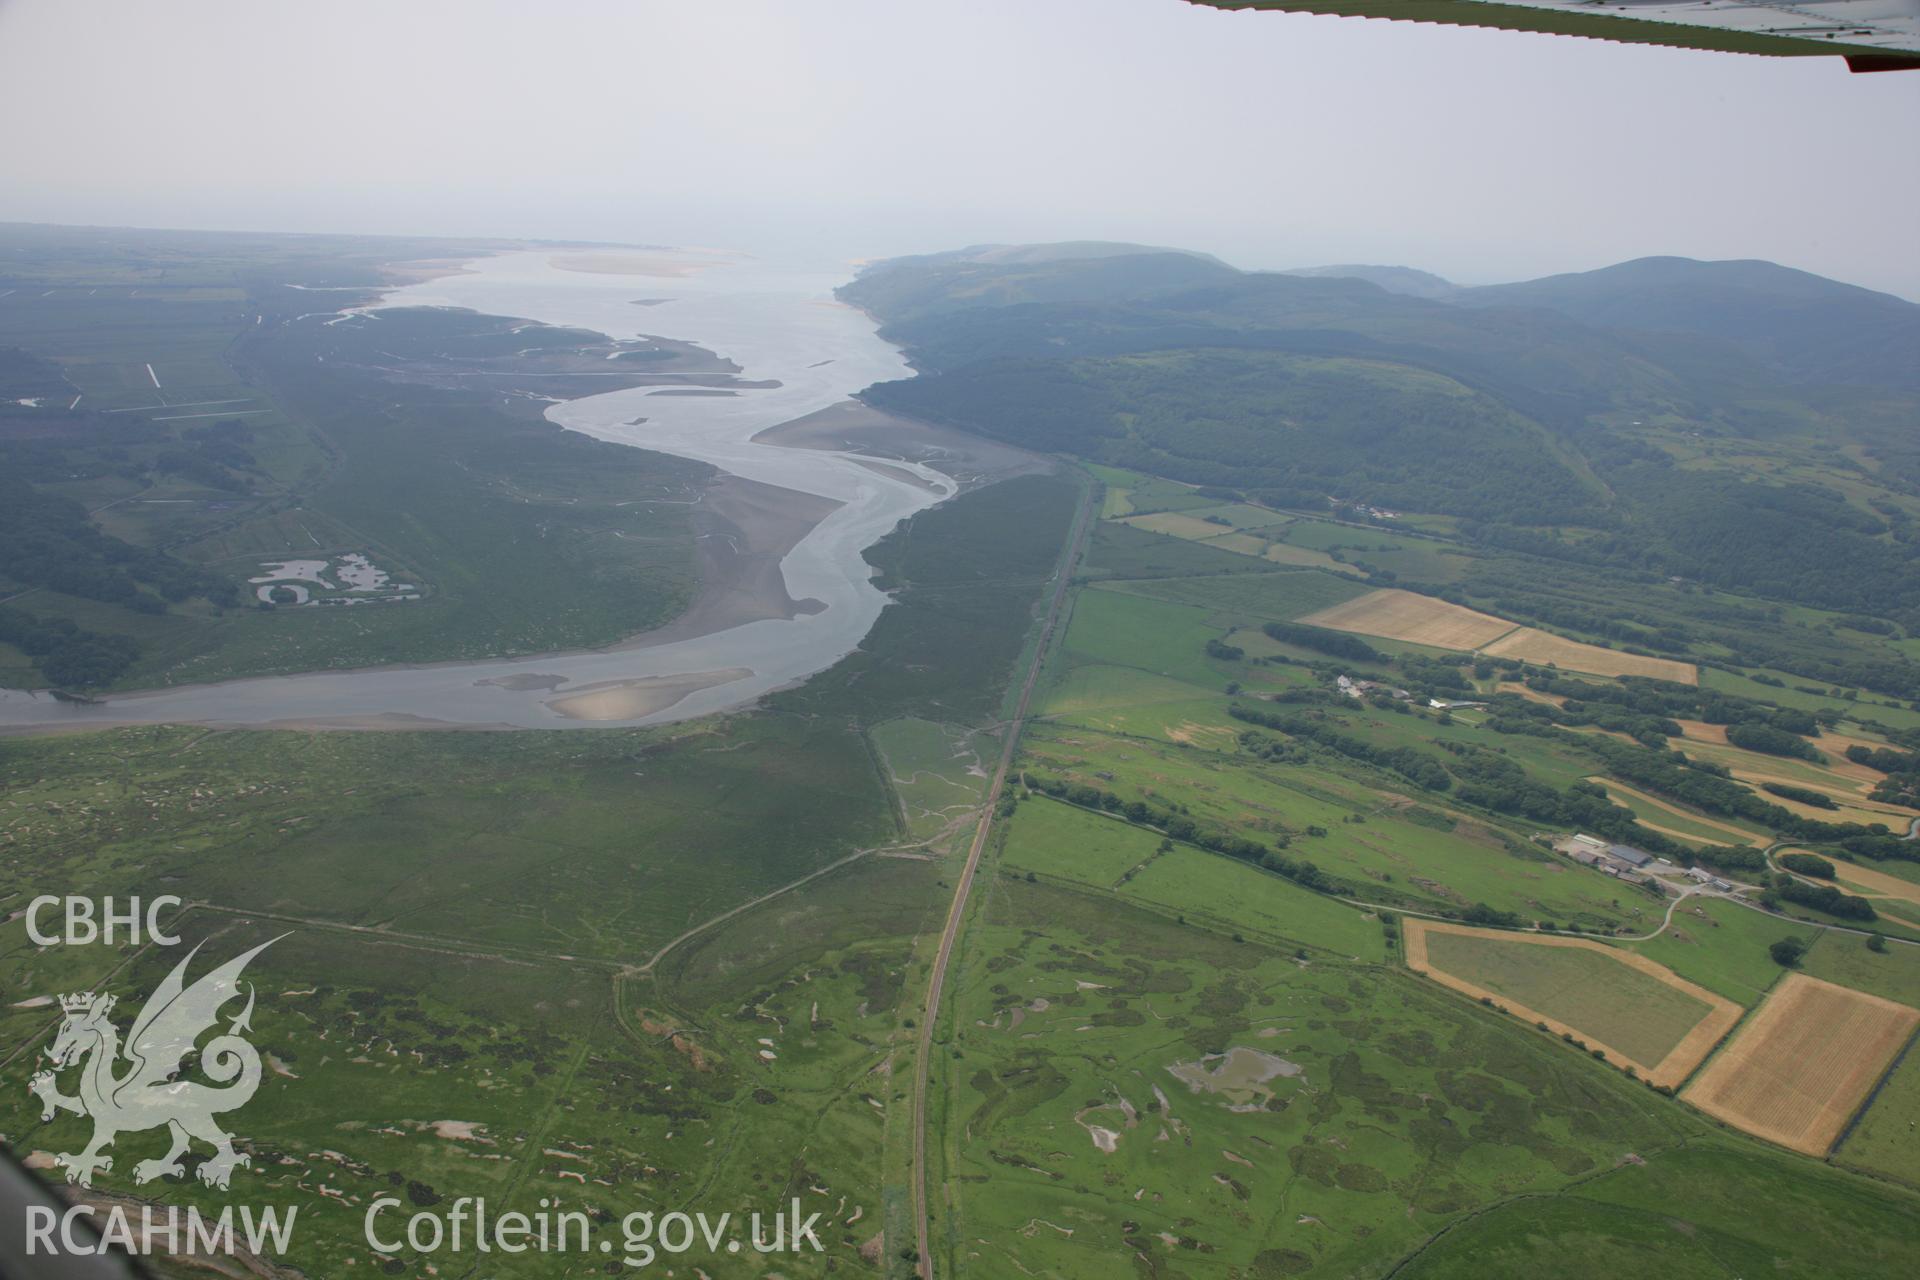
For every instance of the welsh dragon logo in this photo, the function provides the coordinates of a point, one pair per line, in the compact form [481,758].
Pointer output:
[147,1092]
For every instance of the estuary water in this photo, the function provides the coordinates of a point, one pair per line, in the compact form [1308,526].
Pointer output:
[776,324]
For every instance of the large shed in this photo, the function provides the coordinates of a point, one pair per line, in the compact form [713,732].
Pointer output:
[1631,856]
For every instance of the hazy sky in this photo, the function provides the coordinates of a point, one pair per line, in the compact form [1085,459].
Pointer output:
[871,127]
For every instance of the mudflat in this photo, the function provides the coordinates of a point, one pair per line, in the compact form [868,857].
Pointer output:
[743,529]
[853,427]
[645,696]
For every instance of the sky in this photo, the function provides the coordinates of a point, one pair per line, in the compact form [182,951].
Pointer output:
[863,128]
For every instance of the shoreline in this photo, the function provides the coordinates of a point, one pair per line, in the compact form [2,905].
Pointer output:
[770,554]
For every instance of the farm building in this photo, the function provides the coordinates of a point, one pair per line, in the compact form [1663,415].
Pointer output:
[1584,850]
[1628,854]
[1614,859]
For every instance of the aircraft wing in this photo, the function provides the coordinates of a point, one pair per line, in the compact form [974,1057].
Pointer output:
[1872,35]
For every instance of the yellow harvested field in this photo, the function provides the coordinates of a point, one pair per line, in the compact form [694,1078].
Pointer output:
[1834,747]
[1753,767]
[1879,883]
[1701,731]
[1180,526]
[1540,648]
[1837,743]
[1417,619]
[1679,1061]
[1757,770]
[1797,1071]
[1865,813]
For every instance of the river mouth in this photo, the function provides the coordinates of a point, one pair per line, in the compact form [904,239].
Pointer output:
[791,592]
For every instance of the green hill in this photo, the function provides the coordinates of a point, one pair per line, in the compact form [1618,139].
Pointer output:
[1806,325]
[1739,426]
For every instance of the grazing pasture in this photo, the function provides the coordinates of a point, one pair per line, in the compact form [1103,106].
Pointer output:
[1847,960]
[1635,1011]
[1882,1142]
[1723,946]
[1267,597]
[1800,1068]
[1235,898]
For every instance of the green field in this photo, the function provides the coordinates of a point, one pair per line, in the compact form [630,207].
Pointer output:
[1375,549]
[1790,694]
[1133,493]
[1061,842]
[1277,536]
[1846,959]
[1723,948]
[1274,597]
[1882,1140]
[1688,1213]
[1122,552]
[1614,1003]
[1074,1011]
[1093,691]
[1151,636]
[1384,848]
[1234,898]
[1068,843]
